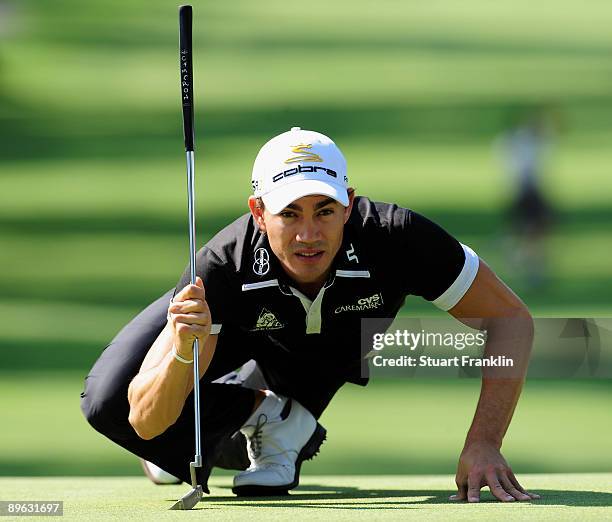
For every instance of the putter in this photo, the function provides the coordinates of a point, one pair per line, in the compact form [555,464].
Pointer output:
[189,500]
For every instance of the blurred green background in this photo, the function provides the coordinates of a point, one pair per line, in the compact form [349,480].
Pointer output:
[93,204]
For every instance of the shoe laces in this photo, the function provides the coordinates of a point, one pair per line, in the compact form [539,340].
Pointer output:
[274,465]
[255,441]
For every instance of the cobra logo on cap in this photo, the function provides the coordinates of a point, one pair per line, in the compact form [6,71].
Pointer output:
[305,155]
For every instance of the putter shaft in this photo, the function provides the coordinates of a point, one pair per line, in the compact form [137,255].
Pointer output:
[197,463]
[189,500]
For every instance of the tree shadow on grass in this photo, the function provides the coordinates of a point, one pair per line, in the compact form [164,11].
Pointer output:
[307,496]
[35,131]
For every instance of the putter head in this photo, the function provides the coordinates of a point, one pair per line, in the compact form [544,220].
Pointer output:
[189,500]
[195,495]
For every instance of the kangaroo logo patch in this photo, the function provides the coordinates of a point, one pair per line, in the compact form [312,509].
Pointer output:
[267,321]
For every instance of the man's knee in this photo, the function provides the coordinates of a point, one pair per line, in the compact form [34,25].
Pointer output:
[106,408]
[104,400]
[93,410]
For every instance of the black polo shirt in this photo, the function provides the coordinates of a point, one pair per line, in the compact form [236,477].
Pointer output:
[387,253]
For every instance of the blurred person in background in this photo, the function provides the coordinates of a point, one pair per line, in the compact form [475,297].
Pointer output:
[524,151]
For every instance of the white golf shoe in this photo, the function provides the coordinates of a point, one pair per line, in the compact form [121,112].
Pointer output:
[157,475]
[280,434]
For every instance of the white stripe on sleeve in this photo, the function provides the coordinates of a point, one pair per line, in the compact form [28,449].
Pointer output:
[215,329]
[464,280]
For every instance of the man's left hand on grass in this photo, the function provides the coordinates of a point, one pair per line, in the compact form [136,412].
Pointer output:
[482,464]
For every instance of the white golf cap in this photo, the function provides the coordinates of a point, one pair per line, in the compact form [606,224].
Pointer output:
[299,163]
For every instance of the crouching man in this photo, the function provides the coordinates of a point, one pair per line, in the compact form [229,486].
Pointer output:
[275,349]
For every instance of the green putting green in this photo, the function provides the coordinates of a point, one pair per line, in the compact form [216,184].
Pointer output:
[357,497]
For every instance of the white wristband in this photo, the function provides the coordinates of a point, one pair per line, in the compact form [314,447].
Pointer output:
[179,358]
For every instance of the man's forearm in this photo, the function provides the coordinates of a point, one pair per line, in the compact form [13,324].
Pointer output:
[501,387]
[498,399]
[157,396]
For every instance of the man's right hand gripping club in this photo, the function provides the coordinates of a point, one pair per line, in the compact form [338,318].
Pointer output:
[189,318]
[158,392]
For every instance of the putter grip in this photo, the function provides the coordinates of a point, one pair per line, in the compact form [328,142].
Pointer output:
[186,67]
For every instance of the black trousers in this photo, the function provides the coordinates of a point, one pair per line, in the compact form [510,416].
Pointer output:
[226,395]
